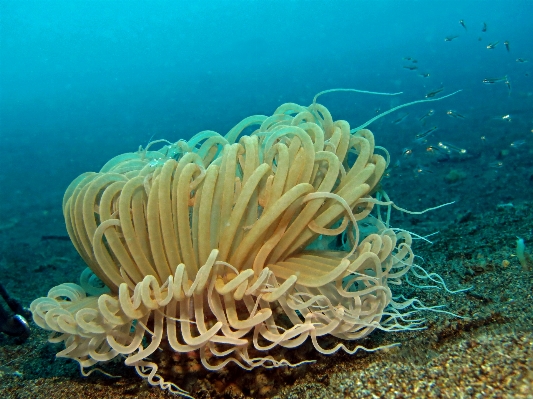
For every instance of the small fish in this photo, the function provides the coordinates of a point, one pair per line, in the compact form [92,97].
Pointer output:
[495,164]
[506,118]
[421,136]
[518,143]
[454,114]
[462,22]
[451,148]
[407,152]
[507,45]
[450,38]
[414,61]
[439,153]
[410,67]
[400,119]
[424,75]
[433,149]
[492,45]
[434,92]
[489,81]
[407,58]
[422,170]
[508,83]
[521,60]
[484,29]
[429,113]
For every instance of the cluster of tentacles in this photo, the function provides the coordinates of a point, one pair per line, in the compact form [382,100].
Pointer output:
[230,245]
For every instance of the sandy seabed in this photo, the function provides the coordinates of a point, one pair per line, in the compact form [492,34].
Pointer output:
[487,353]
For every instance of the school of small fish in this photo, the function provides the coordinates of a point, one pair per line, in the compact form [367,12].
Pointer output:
[443,150]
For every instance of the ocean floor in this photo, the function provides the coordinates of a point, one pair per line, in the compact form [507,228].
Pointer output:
[486,351]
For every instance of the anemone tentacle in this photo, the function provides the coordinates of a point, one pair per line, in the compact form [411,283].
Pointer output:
[227,245]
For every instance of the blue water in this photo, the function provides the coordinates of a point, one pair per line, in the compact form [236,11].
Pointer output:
[83,81]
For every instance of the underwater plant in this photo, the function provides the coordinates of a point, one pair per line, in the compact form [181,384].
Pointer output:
[233,246]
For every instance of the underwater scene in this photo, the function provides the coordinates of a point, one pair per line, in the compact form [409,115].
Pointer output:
[266,199]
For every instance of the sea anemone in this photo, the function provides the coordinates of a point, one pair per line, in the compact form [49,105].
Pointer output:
[233,246]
